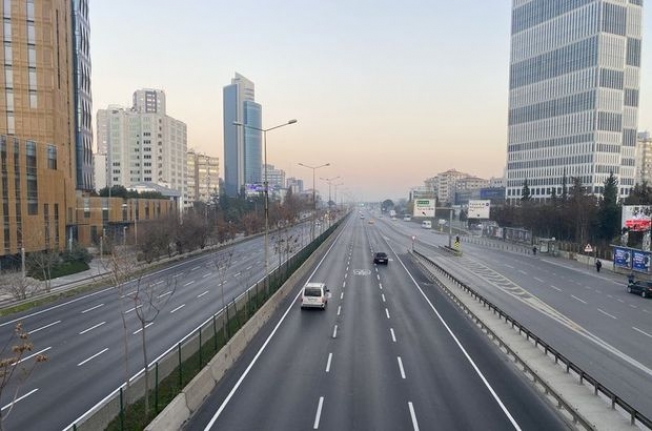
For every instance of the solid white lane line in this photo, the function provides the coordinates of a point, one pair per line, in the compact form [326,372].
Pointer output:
[415,424]
[339,309]
[92,308]
[328,363]
[382,295]
[318,415]
[335,331]
[43,327]
[178,308]
[641,331]
[607,314]
[19,398]
[400,366]
[556,288]
[391,330]
[464,352]
[140,329]
[27,358]
[91,328]
[202,294]
[342,295]
[92,357]
[538,279]
[578,299]
[387,312]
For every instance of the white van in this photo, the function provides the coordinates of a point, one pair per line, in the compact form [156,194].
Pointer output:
[314,295]
[426,224]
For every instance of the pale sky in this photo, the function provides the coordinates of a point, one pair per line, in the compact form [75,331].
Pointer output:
[388,92]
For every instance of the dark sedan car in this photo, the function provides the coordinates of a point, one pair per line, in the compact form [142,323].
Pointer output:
[643,288]
[381,258]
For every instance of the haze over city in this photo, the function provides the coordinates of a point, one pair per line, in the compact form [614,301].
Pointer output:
[389,93]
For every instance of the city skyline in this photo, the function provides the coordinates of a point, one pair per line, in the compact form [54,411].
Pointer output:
[389,95]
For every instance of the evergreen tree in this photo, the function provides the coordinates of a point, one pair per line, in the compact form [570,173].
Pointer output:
[609,214]
[525,194]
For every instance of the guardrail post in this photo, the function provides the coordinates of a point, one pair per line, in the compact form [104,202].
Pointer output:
[215,333]
[180,370]
[122,411]
[200,349]
[156,388]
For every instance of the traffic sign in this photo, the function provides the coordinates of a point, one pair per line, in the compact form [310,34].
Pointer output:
[588,248]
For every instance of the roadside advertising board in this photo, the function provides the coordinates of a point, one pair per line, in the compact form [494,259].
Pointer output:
[424,208]
[622,257]
[479,209]
[636,217]
[641,261]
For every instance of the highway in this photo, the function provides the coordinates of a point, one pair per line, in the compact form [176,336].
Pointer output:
[587,316]
[83,337]
[389,353]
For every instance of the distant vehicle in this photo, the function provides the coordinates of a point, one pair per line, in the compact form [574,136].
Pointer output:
[371,221]
[407,218]
[362,216]
[381,258]
[426,224]
[643,288]
[314,295]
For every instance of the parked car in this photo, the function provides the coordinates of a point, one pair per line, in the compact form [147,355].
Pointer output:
[643,288]
[381,258]
[314,295]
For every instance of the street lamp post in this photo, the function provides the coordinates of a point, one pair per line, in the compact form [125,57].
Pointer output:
[265,185]
[314,200]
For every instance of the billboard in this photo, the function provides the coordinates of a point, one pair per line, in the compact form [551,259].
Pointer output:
[622,257]
[479,209]
[636,217]
[424,208]
[641,261]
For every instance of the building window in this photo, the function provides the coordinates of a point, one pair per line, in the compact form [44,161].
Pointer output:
[7,8]
[7,29]
[52,157]
[9,77]
[11,123]
[33,99]
[10,100]
[30,10]
[32,79]
[31,56]
[9,53]
[31,33]
[32,178]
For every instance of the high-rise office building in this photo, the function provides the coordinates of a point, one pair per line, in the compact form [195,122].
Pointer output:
[242,144]
[37,126]
[83,99]
[143,144]
[573,94]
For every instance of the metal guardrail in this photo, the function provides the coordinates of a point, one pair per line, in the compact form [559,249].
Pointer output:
[598,388]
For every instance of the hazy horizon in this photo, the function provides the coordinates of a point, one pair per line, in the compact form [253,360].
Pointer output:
[388,93]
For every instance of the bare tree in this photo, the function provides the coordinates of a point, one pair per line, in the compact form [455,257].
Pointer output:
[15,365]
[123,267]
[222,262]
[149,298]
[43,262]
[18,286]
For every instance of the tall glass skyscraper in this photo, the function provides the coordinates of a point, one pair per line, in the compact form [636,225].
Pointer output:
[242,145]
[573,94]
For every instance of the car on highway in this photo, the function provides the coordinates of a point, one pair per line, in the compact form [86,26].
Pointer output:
[371,221]
[314,295]
[407,218]
[426,224]
[381,258]
[643,288]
